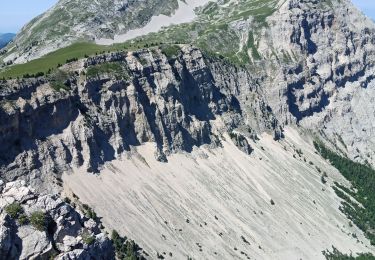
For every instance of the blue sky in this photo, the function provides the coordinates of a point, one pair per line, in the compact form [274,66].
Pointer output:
[367,6]
[15,13]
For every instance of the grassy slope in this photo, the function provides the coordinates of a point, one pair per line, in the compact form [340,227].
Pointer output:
[59,57]
[51,60]
[211,27]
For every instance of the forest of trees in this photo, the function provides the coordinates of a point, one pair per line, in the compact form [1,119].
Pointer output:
[362,178]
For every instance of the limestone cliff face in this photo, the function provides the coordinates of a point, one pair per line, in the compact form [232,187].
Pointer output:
[316,70]
[322,76]
[333,44]
[176,102]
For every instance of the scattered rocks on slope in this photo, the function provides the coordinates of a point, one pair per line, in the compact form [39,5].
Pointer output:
[241,142]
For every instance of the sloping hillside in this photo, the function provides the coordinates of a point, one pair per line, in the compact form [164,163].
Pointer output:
[224,204]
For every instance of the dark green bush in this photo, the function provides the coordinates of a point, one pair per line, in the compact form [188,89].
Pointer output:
[113,68]
[323,179]
[88,238]
[39,220]
[14,210]
[125,248]
[71,60]
[89,212]
[337,255]
[23,219]
[171,51]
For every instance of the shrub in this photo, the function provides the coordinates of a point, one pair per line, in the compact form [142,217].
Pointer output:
[59,79]
[14,210]
[337,255]
[88,238]
[71,60]
[113,68]
[39,220]
[23,219]
[323,180]
[125,249]
[272,202]
[89,212]
[170,51]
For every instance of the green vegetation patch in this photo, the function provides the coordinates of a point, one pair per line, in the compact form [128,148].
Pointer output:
[361,209]
[114,68]
[52,60]
[171,51]
[337,255]
[57,58]
[88,238]
[89,212]
[74,52]
[125,248]
[14,210]
[39,220]
[23,219]
[59,80]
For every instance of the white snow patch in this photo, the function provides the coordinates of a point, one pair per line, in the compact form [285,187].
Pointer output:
[184,14]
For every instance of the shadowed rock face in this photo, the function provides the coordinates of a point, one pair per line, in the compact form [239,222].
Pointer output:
[175,102]
[330,44]
[322,78]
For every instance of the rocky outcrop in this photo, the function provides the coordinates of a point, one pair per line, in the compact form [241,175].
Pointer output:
[60,231]
[177,103]
[71,21]
[241,142]
[318,59]
[324,64]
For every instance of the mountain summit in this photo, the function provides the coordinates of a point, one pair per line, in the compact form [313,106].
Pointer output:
[70,21]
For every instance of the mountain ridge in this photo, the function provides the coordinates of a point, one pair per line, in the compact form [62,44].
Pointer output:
[89,20]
